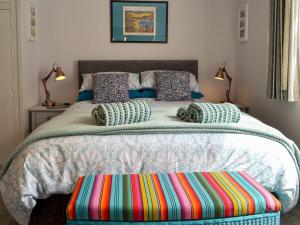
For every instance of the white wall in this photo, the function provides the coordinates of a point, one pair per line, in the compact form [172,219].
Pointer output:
[29,64]
[75,29]
[198,29]
[252,76]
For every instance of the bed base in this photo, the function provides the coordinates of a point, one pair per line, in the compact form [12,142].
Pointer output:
[50,211]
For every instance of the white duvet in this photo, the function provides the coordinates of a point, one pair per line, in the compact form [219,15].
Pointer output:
[52,166]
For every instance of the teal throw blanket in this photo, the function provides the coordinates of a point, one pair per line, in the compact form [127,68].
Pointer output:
[162,121]
[210,113]
[112,114]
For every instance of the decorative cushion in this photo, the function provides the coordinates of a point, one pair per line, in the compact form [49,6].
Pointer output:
[148,80]
[133,80]
[111,88]
[85,96]
[196,95]
[173,86]
[133,94]
[89,95]
[169,197]
[151,93]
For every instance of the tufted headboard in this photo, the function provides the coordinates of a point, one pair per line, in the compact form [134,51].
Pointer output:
[136,66]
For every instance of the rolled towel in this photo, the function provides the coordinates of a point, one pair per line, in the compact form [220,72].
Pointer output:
[181,112]
[111,114]
[210,113]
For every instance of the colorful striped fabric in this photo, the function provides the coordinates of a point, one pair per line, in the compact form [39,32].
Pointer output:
[169,197]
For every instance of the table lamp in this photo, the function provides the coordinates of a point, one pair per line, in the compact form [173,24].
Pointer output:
[59,75]
[220,76]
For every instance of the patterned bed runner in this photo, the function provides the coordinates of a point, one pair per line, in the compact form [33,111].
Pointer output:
[169,197]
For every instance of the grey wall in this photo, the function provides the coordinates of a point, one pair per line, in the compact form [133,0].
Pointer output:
[29,65]
[77,29]
[251,67]
[198,29]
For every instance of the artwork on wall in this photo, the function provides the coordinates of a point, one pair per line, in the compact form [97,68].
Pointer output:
[243,22]
[139,21]
[32,22]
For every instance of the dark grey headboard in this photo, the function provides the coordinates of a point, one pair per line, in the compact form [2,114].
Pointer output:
[136,66]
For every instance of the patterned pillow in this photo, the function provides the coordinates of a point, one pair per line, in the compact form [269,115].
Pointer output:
[111,87]
[148,80]
[87,83]
[173,86]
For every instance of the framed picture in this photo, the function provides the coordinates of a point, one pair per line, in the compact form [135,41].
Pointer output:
[139,21]
[243,22]
[32,22]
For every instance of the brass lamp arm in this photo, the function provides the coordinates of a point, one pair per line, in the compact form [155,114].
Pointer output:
[48,102]
[55,65]
[222,72]
[229,85]
[227,75]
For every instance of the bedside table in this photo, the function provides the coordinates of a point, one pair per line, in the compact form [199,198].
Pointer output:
[242,107]
[40,114]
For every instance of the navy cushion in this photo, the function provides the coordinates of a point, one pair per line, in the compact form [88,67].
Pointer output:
[89,95]
[196,95]
[85,96]
[151,93]
[145,93]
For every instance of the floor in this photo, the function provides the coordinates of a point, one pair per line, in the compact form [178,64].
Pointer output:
[291,218]
[5,218]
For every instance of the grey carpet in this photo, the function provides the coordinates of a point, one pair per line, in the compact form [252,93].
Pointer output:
[5,218]
[291,218]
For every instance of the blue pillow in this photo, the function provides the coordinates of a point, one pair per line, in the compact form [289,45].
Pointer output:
[135,94]
[85,96]
[89,95]
[151,93]
[196,95]
[145,93]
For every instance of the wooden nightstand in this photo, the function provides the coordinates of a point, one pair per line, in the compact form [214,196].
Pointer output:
[40,114]
[242,107]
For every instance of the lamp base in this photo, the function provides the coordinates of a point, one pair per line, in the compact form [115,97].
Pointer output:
[49,103]
[59,106]
[226,101]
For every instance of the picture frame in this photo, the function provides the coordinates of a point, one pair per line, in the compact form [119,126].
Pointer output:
[139,21]
[32,21]
[243,23]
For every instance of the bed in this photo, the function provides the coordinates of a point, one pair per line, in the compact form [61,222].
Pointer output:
[49,162]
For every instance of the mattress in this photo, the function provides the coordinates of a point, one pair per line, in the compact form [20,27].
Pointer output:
[53,165]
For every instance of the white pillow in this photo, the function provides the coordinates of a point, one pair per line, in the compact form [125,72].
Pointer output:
[148,80]
[133,81]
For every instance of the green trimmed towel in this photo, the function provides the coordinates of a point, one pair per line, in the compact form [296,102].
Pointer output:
[112,114]
[181,112]
[210,113]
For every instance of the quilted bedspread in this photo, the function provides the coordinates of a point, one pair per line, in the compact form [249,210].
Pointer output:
[71,145]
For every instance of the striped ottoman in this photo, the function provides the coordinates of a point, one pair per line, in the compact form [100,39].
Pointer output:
[174,198]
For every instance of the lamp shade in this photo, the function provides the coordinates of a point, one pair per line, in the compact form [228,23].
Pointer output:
[59,74]
[220,74]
